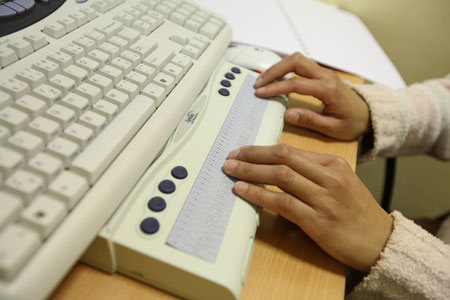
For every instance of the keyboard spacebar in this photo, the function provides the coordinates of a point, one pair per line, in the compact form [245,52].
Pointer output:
[108,144]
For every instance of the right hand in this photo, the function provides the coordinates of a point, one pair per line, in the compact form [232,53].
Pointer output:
[320,193]
[345,115]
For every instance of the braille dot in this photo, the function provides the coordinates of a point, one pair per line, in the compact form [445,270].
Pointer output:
[150,225]
[179,172]
[224,92]
[236,70]
[166,186]
[229,76]
[156,204]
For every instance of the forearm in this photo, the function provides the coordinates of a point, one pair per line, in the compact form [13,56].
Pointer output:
[414,120]
[413,265]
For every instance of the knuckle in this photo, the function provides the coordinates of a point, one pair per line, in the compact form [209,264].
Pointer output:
[282,152]
[284,203]
[297,56]
[283,174]
[308,120]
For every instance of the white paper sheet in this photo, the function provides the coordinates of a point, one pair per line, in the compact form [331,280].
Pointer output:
[322,32]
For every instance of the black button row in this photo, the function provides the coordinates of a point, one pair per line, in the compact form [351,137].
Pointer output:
[151,225]
[226,83]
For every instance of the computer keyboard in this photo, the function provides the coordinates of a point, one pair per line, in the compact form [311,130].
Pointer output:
[89,95]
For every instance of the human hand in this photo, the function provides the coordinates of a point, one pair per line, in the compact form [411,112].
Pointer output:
[345,115]
[321,194]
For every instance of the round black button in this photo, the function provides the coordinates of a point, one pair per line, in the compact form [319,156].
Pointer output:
[179,172]
[236,70]
[229,76]
[225,83]
[166,186]
[224,92]
[149,225]
[156,204]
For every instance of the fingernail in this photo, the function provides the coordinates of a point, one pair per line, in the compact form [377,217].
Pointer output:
[234,153]
[258,81]
[292,116]
[240,187]
[230,165]
[260,90]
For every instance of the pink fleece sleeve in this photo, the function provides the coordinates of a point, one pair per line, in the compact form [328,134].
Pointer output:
[413,120]
[413,265]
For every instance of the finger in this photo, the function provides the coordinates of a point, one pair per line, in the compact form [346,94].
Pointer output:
[296,63]
[298,85]
[283,154]
[306,118]
[279,175]
[282,203]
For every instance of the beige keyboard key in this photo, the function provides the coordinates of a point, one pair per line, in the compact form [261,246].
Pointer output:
[16,88]
[155,92]
[4,134]
[138,79]
[31,77]
[118,98]
[85,42]
[43,215]
[10,207]
[36,39]
[106,109]
[31,105]
[112,73]
[69,23]
[21,47]
[60,114]
[68,187]
[119,42]
[73,50]
[54,29]
[7,56]
[26,143]
[76,103]
[49,68]
[76,73]
[96,36]
[5,100]
[13,118]
[9,161]
[79,134]
[24,184]
[45,128]
[62,59]
[62,83]
[110,49]
[89,91]
[17,245]
[127,87]
[90,65]
[64,149]
[79,17]
[93,120]
[45,165]
[160,57]
[102,82]
[47,93]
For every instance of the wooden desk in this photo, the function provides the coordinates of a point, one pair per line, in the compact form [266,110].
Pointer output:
[286,264]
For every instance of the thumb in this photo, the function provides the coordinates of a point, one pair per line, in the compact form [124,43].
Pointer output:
[306,118]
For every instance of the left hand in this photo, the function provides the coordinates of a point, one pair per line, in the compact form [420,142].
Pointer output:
[321,194]
[345,115]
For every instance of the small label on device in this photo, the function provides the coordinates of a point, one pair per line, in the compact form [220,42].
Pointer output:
[201,223]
